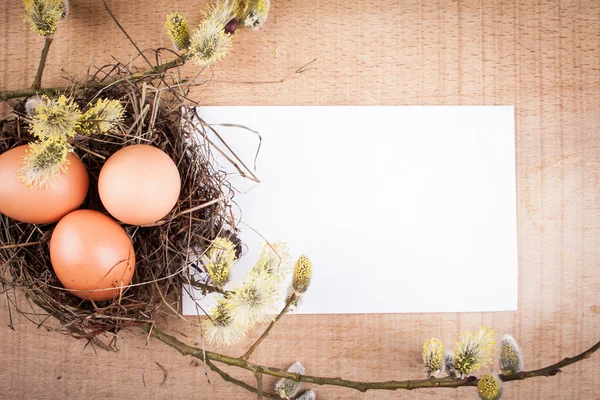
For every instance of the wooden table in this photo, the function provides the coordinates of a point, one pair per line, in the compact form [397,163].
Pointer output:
[542,56]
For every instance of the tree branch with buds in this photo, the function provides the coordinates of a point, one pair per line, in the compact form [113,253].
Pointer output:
[240,362]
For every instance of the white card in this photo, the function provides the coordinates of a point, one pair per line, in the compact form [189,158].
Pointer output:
[400,209]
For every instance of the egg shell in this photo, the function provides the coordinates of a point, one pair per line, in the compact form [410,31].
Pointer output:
[90,253]
[41,205]
[139,184]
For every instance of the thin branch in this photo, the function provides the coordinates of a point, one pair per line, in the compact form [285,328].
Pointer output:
[259,391]
[189,210]
[13,94]
[116,21]
[228,378]
[10,320]
[156,69]
[204,355]
[271,325]
[17,245]
[37,82]
[206,287]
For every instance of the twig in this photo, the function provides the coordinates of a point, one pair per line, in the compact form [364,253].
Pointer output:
[165,373]
[37,82]
[156,69]
[252,175]
[17,245]
[228,378]
[271,325]
[208,288]
[116,21]
[304,67]
[259,391]
[189,210]
[248,129]
[205,356]
[10,320]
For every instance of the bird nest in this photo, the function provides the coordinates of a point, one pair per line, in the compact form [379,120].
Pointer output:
[158,114]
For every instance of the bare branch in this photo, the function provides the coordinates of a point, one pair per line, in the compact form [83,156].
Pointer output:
[37,82]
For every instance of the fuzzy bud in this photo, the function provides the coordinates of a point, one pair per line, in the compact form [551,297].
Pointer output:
[31,104]
[308,395]
[511,358]
[287,388]
[450,365]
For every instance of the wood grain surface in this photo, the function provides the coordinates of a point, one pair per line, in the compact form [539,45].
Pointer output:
[543,56]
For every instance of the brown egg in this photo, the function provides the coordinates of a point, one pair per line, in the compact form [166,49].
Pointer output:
[92,255]
[139,184]
[40,205]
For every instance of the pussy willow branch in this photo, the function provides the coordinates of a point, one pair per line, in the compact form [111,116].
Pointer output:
[13,94]
[37,82]
[204,355]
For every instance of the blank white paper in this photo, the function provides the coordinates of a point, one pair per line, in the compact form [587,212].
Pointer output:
[400,209]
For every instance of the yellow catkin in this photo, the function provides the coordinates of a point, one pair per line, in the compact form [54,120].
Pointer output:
[433,357]
[489,387]
[221,328]
[474,350]
[56,118]
[209,42]
[256,300]
[255,13]
[274,260]
[44,162]
[223,10]
[302,274]
[178,30]
[219,261]
[43,15]
[102,117]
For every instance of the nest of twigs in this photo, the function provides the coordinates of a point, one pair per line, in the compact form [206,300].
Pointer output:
[166,253]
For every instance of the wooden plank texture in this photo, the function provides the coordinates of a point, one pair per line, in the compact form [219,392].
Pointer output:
[543,56]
